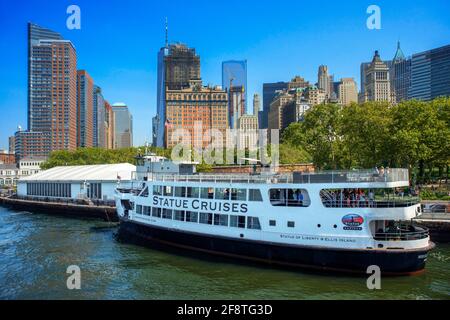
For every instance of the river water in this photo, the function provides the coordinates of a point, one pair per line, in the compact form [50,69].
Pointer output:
[36,249]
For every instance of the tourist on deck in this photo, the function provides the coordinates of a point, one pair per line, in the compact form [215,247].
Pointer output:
[362,200]
[300,198]
[371,198]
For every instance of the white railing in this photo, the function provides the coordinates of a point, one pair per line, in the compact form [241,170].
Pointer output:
[352,176]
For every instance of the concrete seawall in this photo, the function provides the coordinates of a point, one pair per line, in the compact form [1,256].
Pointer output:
[106,213]
[439,225]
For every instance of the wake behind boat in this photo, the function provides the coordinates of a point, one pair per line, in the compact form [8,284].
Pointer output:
[339,221]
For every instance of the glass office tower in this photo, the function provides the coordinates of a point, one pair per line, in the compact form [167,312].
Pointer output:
[430,74]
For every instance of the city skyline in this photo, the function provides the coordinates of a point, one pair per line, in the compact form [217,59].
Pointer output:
[126,68]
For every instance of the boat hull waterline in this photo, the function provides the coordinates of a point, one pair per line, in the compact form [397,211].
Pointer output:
[391,262]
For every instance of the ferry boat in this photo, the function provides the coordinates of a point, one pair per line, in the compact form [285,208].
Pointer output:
[335,221]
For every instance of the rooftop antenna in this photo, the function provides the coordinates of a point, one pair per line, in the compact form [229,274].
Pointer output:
[167,34]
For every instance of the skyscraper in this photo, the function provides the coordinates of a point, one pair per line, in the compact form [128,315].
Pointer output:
[325,81]
[177,66]
[363,72]
[109,122]
[236,105]
[196,104]
[123,126]
[98,117]
[256,104]
[430,74]
[347,91]
[400,74]
[36,33]
[85,110]
[234,71]
[160,119]
[12,144]
[270,91]
[234,74]
[377,82]
[277,110]
[101,121]
[52,95]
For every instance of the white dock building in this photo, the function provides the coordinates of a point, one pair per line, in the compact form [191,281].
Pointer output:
[93,182]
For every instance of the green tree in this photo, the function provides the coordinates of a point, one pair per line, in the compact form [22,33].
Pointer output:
[421,135]
[317,135]
[365,134]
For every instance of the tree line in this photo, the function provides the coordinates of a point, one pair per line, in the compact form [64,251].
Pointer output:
[412,134]
[92,156]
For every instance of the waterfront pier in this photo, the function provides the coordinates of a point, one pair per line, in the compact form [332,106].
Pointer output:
[77,209]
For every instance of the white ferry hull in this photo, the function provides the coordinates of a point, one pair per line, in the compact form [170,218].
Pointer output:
[391,262]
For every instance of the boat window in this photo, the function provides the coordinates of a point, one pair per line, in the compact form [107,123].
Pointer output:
[289,198]
[167,214]
[192,192]
[191,216]
[272,223]
[254,195]
[157,190]
[207,193]
[237,221]
[144,192]
[156,212]
[222,194]
[221,220]
[168,191]
[206,218]
[239,194]
[138,209]
[291,224]
[253,223]
[147,211]
[180,192]
[178,215]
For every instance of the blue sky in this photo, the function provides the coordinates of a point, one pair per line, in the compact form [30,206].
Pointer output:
[119,40]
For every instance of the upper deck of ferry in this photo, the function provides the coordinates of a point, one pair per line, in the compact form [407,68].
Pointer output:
[389,178]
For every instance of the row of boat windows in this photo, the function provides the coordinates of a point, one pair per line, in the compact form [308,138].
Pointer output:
[216,219]
[206,193]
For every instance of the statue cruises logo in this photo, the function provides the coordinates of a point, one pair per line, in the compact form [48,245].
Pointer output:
[353,222]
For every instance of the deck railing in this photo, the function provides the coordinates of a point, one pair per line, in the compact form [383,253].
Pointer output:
[404,233]
[352,176]
[385,203]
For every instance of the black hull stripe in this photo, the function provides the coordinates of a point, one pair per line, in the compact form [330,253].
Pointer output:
[392,262]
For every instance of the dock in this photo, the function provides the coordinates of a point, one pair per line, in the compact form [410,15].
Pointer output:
[438,224]
[79,210]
